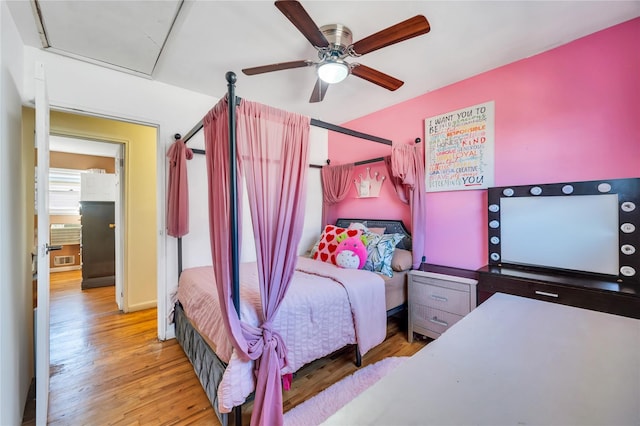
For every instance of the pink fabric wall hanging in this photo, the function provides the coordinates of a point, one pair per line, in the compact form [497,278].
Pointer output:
[401,190]
[178,198]
[408,166]
[336,182]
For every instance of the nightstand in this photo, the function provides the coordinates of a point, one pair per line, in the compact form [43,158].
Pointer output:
[438,300]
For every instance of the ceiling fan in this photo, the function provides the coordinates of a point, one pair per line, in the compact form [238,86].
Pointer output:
[334,44]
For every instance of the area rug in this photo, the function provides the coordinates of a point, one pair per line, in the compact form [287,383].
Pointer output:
[319,408]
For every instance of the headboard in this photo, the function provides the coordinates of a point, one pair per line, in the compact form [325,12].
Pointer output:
[390,226]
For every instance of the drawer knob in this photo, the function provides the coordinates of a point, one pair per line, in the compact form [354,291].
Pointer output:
[435,320]
[439,298]
[544,293]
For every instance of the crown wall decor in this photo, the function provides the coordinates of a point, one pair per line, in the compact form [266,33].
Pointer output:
[367,186]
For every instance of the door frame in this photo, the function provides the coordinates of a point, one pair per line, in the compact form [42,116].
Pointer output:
[119,205]
[42,318]
[161,285]
[121,226]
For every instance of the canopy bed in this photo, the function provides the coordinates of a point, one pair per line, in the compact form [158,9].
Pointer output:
[314,304]
[245,346]
[513,360]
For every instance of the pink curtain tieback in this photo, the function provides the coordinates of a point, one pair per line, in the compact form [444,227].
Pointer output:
[272,338]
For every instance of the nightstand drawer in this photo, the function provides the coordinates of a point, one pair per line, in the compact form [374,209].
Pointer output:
[445,299]
[455,283]
[433,319]
[437,301]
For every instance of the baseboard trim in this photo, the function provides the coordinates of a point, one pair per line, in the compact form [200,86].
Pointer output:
[143,306]
[65,268]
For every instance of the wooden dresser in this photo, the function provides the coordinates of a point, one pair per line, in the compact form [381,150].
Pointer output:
[588,293]
[98,244]
[438,297]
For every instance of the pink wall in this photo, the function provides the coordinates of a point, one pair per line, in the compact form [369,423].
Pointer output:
[568,114]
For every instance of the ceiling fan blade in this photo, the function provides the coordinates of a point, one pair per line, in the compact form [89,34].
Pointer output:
[405,30]
[319,91]
[299,17]
[376,77]
[277,67]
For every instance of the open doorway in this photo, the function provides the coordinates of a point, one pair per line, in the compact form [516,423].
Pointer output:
[140,219]
[86,202]
[139,188]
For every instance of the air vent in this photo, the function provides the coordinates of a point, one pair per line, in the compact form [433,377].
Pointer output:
[63,260]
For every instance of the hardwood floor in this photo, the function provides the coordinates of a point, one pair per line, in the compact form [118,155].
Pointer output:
[109,368]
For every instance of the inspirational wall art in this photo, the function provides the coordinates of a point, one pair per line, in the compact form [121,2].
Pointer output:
[459,149]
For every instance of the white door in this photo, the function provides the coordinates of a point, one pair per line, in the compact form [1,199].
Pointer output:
[119,219]
[42,189]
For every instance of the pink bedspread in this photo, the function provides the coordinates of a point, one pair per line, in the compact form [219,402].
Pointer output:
[316,318]
[368,307]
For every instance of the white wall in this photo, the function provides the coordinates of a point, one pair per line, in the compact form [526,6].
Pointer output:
[319,144]
[82,86]
[196,247]
[16,313]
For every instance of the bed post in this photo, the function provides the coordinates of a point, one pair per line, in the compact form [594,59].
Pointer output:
[233,206]
[179,256]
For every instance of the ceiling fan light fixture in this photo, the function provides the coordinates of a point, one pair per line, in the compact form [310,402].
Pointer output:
[333,71]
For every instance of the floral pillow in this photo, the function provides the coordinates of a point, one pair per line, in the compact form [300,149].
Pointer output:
[380,250]
[329,240]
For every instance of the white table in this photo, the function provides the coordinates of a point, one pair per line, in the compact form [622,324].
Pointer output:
[513,361]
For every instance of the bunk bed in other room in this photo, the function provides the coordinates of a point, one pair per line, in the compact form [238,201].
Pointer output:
[351,303]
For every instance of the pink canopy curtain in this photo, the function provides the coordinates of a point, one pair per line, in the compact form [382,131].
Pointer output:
[273,154]
[401,190]
[408,165]
[336,181]
[178,199]
[216,136]
[275,157]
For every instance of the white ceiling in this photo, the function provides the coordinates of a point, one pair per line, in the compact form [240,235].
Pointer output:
[192,44]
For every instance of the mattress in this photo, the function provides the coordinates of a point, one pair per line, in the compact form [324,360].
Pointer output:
[513,361]
[395,289]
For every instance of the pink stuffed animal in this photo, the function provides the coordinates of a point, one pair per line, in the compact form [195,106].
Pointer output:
[351,253]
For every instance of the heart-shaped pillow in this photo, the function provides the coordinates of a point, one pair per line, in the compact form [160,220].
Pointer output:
[329,240]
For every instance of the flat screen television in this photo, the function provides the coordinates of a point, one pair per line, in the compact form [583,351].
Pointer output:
[589,228]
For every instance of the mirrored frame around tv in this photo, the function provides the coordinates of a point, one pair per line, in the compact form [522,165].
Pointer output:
[587,228]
